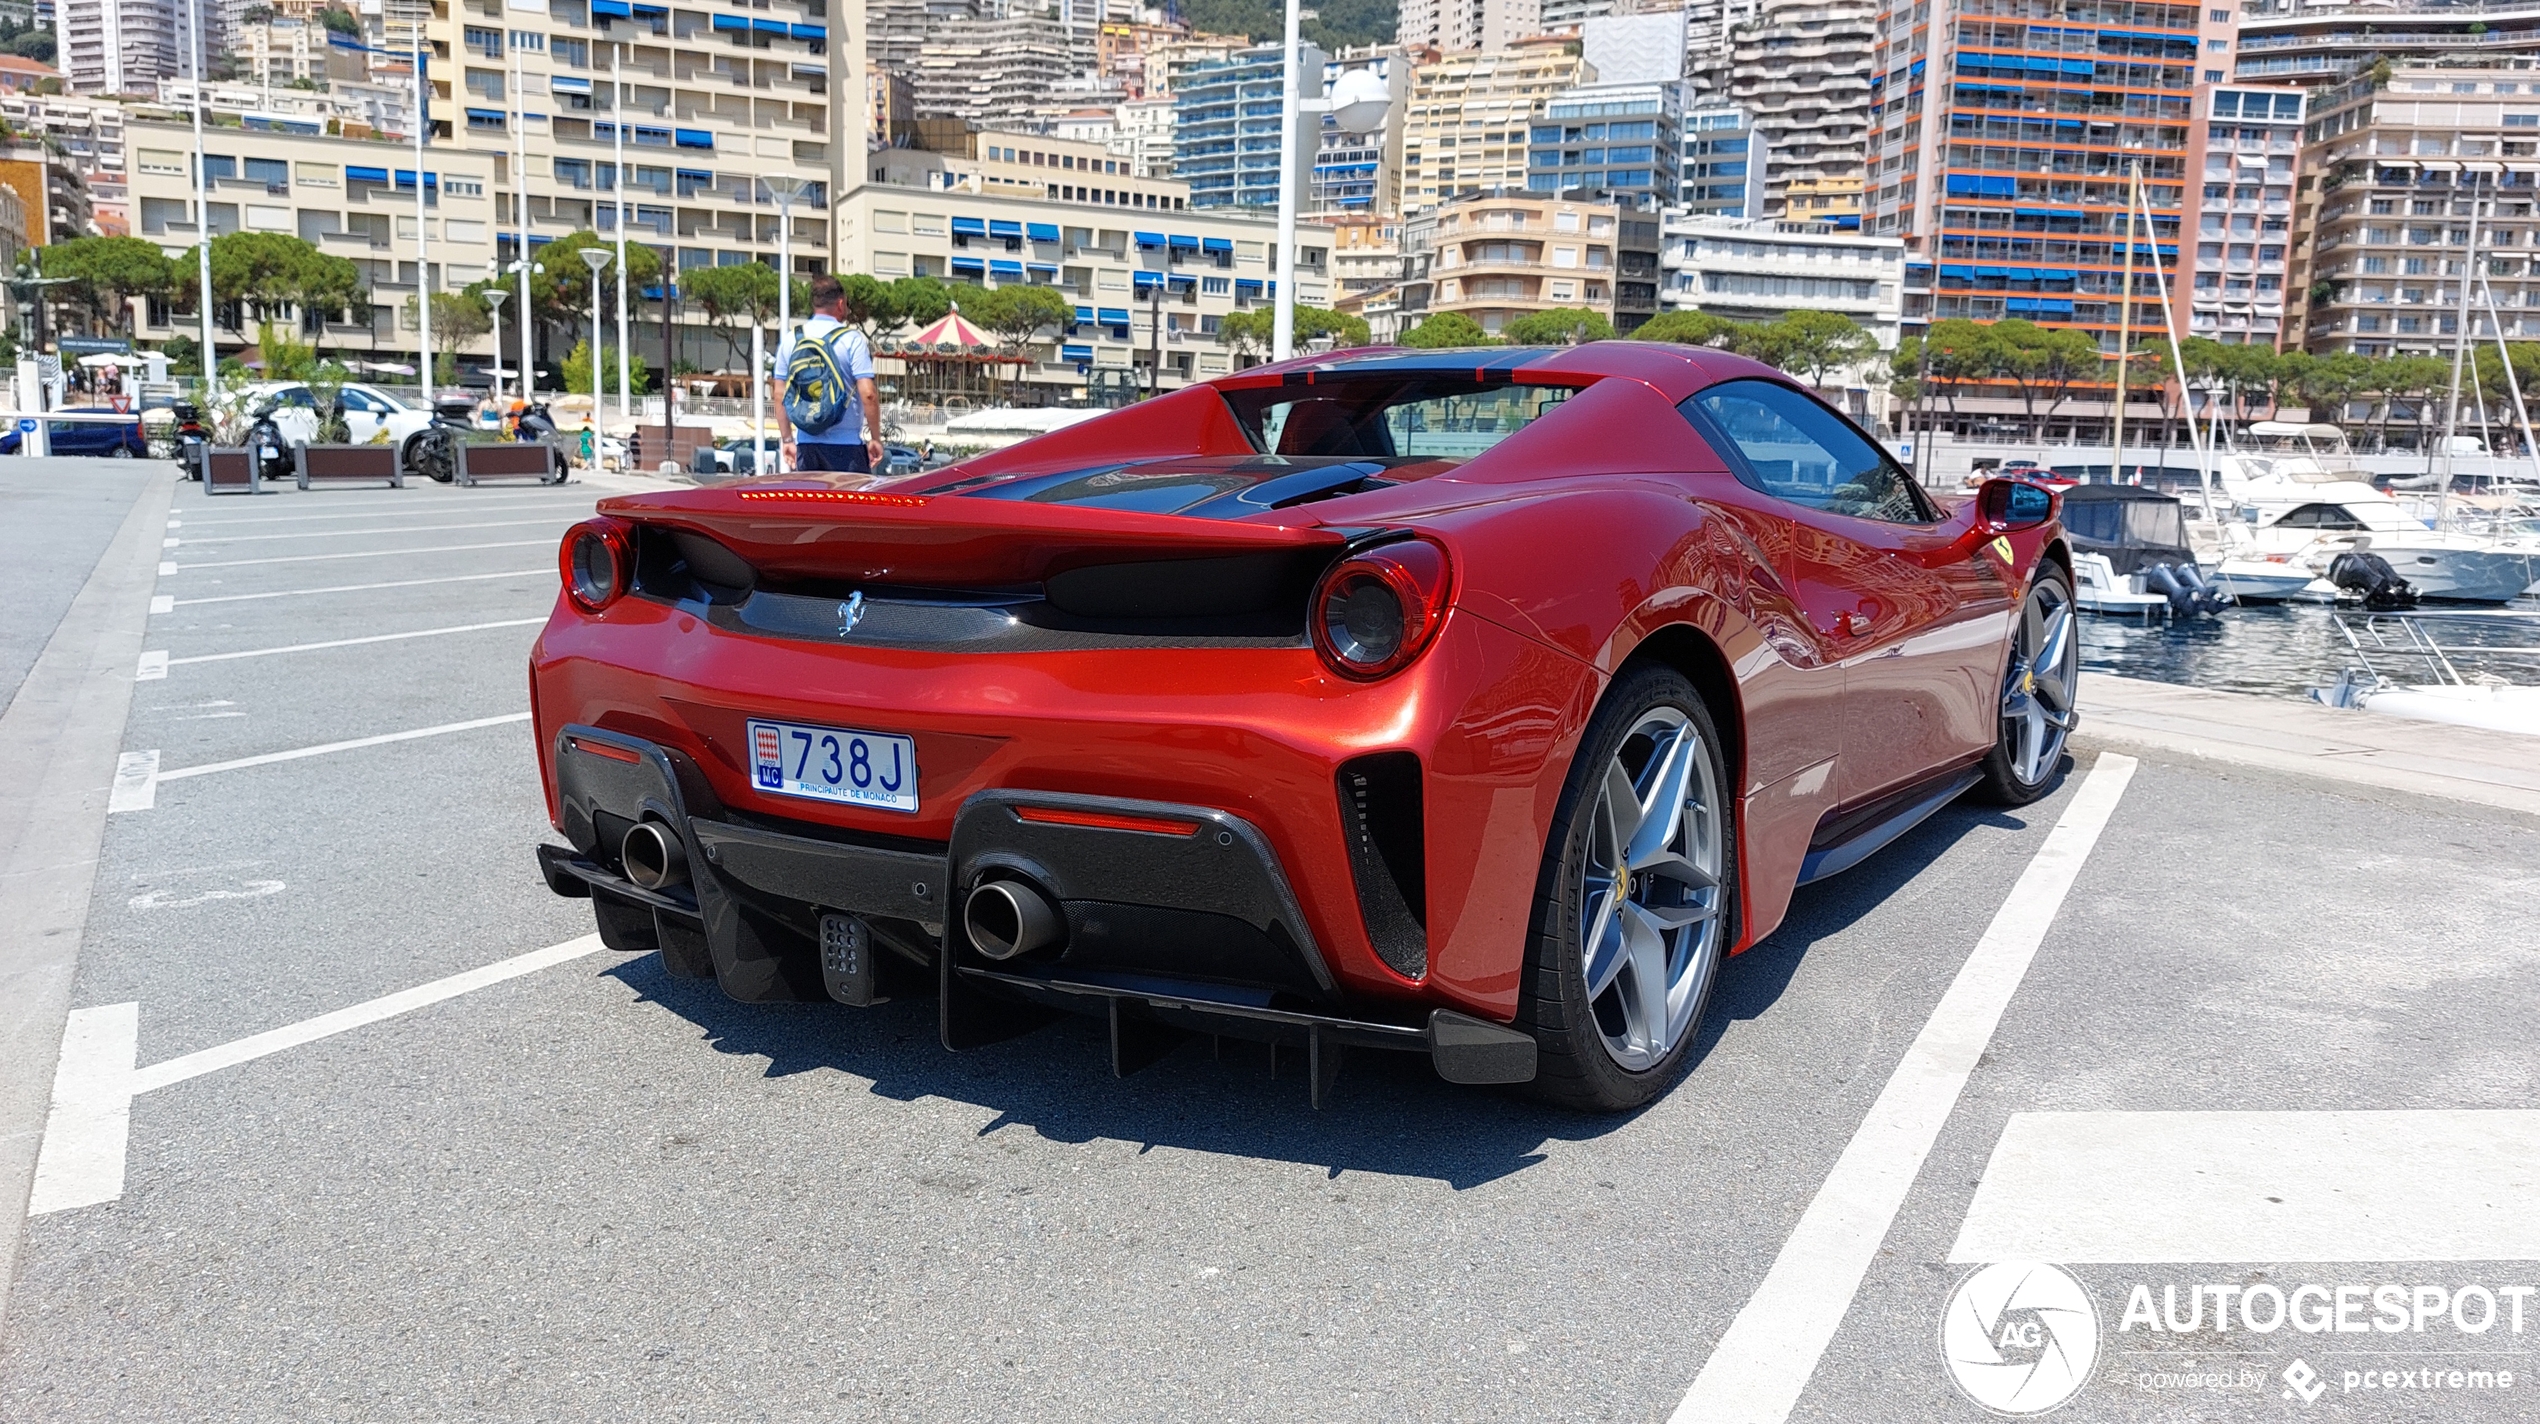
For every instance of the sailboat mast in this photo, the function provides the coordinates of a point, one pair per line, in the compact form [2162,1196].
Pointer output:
[2142,201]
[2460,350]
[2125,319]
[2513,382]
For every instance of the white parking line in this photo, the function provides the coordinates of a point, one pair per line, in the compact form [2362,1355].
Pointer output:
[2180,1187]
[344,588]
[362,554]
[136,785]
[267,759]
[162,603]
[154,666]
[199,539]
[1757,1372]
[165,662]
[87,1135]
[166,568]
[168,543]
[438,507]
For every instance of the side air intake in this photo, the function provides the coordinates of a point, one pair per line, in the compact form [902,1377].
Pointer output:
[1380,809]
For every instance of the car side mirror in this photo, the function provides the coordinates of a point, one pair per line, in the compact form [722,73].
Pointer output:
[2005,505]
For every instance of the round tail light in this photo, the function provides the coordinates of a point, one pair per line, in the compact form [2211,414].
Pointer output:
[1372,613]
[596,563]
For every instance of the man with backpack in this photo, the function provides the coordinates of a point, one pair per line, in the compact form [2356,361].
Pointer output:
[828,416]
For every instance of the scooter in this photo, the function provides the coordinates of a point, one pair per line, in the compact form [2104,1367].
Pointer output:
[193,437]
[270,450]
[436,450]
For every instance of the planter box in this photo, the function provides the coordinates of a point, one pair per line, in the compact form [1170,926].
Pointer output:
[231,471]
[511,460]
[348,464]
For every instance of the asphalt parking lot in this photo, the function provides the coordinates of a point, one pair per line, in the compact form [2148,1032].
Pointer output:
[574,1187]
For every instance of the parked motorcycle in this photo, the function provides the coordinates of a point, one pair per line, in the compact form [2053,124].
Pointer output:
[193,437]
[436,450]
[268,447]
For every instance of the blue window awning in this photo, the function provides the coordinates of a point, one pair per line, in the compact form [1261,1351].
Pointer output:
[693,138]
[1958,274]
[969,227]
[1075,353]
[640,8]
[491,116]
[2078,66]
[566,84]
[1003,268]
[1141,281]
[694,175]
[1042,232]
[1115,316]
[999,227]
[1993,272]
[1085,314]
[732,22]
[808,32]
[1150,239]
[1216,244]
[767,27]
[617,8]
[365,175]
[1181,279]
[406,179]
[1181,243]
[969,267]
[2057,274]
[1247,286]
[1040,269]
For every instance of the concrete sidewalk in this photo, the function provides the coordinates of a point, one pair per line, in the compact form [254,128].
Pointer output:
[2469,764]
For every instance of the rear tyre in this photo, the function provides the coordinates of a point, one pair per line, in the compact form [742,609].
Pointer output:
[1636,901]
[2039,684]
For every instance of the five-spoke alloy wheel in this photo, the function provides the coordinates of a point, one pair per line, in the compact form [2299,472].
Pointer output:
[2039,683]
[1637,900]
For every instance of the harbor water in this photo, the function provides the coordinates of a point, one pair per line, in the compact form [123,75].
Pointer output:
[2278,650]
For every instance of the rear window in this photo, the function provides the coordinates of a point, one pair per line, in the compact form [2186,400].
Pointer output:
[1391,418]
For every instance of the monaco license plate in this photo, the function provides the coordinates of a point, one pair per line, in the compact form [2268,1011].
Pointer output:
[834,764]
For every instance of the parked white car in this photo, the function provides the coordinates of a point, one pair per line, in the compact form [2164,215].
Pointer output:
[368,411]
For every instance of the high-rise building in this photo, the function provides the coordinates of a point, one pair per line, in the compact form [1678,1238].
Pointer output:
[1631,49]
[2242,148]
[2392,175]
[1764,270]
[993,72]
[1142,132]
[1360,172]
[1466,26]
[2000,149]
[1803,70]
[1471,118]
[1722,172]
[1497,258]
[1615,141]
[898,31]
[1226,127]
[116,46]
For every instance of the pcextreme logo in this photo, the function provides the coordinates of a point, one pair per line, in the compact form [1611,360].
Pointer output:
[2020,1337]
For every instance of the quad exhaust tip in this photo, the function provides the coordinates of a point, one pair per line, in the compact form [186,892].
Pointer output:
[1007,918]
[653,856]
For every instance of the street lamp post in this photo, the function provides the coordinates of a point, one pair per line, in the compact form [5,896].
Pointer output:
[520,211]
[1359,102]
[423,247]
[617,185]
[203,215]
[595,258]
[784,190]
[494,298]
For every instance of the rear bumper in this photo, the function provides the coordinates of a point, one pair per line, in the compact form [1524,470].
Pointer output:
[1180,919]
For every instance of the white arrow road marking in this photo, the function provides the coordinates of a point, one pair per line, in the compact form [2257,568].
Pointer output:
[1763,1362]
[82,1161]
[83,1156]
[154,666]
[180,900]
[136,783]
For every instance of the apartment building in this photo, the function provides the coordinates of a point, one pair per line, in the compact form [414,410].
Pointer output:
[715,106]
[992,71]
[1226,127]
[1470,124]
[1142,133]
[2002,138]
[349,198]
[2323,43]
[1721,165]
[88,137]
[2395,178]
[56,197]
[1497,258]
[1366,252]
[1609,140]
[117,46]
[1142,283]
[1763,270]
[1466,26]
[955,156]
[2233,279]
[1361,172]
[1802,68]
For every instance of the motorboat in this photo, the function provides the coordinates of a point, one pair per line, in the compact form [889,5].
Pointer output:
[2298,510]
[2452,667]
[2131,555]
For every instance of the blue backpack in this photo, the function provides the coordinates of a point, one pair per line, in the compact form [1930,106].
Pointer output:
[817,390]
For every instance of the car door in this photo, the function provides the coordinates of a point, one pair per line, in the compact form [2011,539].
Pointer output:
[1911,605]
[295,415]
[362,414]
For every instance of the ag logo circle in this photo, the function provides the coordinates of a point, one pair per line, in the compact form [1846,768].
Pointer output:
[2020,1337]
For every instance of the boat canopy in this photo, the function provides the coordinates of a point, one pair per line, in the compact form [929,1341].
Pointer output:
[2132,525]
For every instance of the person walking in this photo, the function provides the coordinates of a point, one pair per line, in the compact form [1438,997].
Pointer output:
[830,417]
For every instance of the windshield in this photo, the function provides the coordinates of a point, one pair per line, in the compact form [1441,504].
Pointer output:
[1422,417]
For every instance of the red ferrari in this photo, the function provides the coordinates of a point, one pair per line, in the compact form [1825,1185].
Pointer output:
[1472,703]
